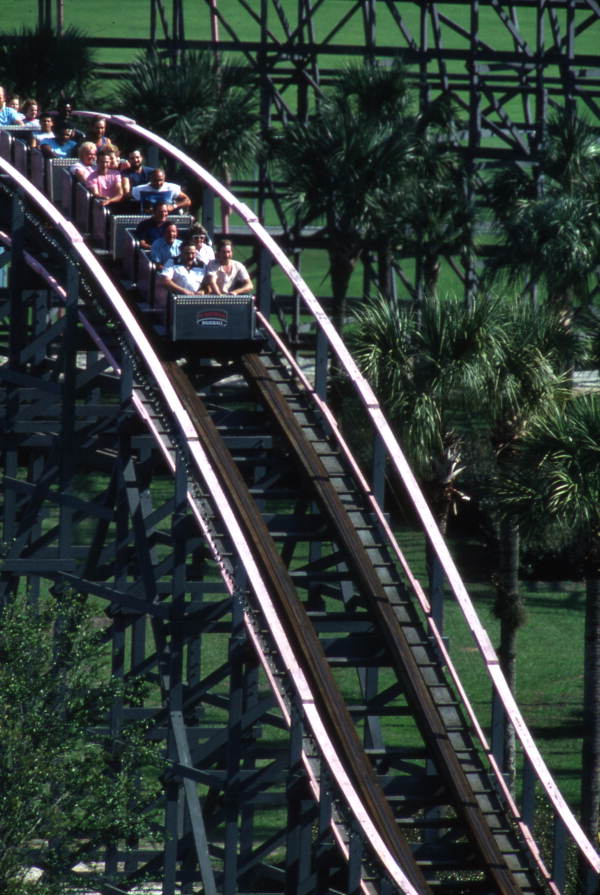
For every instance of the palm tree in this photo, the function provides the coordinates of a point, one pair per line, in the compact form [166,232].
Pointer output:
[201,103]
[528,380]
[556,478]
[428,368]
[432,215]
[572,152]
[52,67]
[547,220]
[341,166]
[554,240]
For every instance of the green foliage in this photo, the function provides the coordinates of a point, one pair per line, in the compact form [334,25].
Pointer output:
[199,102]
[373,91]
[340,166]
[37,62]
[548,227]
[377,175]
[557,474]
[537,351]
[571,156]
[427,369]
[337,168]
[67,789]
[340,163]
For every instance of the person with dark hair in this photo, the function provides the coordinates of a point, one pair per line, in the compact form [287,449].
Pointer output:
[63,111]
[158,189]
[165,247]
[64,145]
[224,276]
[150,229]
[134,169]
[97,133]
[105,182]
[46,131]
[184,274]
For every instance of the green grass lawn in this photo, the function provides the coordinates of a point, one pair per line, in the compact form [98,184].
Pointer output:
[110,20]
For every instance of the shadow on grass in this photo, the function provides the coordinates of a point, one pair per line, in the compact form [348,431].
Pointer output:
[568,728]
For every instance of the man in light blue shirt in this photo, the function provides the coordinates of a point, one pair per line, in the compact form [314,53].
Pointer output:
[8,116]
[165,247]
[63,145]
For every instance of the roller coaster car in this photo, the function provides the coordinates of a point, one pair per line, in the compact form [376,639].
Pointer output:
[211,318]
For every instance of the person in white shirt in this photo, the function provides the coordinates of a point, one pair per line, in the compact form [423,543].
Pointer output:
[158,189]
[46,132]
[224,275]
[204,250]
[184,275]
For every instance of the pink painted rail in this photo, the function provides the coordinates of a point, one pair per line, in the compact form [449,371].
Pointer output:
[206,473]
[398,460]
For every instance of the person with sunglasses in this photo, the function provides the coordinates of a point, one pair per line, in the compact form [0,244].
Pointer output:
[204,250]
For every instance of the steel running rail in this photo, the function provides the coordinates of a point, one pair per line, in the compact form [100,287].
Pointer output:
[398,460]
[205,471]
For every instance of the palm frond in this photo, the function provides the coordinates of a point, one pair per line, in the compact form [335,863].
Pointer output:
[199,102]
[572,153]
[557,469]
[373,91]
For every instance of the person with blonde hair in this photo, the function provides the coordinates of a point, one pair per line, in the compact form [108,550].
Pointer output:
[86,164]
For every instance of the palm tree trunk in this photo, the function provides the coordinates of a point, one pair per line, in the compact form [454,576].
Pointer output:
[431,273]
[435,574]
[509,609]
[590,782]
[385,271]
[342,266]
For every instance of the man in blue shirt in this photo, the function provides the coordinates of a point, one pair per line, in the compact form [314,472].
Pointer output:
[8,116]
[134,169]
[165,247]
[62,146]
[152,228]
